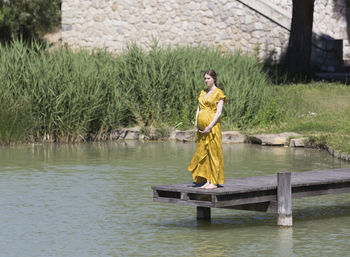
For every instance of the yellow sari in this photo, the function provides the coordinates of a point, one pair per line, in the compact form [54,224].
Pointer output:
[207,163]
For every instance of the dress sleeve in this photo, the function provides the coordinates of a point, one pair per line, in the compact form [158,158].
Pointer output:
[220,96]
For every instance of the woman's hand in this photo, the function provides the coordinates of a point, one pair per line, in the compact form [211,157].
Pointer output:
[206,130]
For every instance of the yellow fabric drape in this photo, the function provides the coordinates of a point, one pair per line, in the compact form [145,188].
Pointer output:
[208,162]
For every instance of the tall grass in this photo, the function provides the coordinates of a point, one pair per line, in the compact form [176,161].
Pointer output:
[13,118]
[61,95]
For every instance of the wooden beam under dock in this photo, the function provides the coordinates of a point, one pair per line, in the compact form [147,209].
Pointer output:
[271,193]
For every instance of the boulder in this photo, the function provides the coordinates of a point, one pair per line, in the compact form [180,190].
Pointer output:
[272,139]
[298,142]
[338,155]
[132,133]
[183,135]
[232,137]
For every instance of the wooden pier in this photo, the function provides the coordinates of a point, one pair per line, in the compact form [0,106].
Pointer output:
[271,193]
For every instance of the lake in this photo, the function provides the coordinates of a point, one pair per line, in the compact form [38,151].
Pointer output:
[95,199]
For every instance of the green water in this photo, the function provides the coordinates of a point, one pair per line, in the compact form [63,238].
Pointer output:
[96,200]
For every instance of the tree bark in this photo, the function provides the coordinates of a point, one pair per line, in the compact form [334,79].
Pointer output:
[300,39]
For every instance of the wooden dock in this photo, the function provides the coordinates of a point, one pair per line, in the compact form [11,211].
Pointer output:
[271,193]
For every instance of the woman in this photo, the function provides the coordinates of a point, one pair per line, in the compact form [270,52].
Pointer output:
[207,164]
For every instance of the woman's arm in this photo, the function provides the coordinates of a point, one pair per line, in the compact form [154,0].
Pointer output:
[195,123]
[216,117]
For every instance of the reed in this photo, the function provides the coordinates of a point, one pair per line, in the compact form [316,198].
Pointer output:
[61,95]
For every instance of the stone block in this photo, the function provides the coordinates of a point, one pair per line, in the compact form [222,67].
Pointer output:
[232,137]
[193,6]
[203,6]
[272,139]
[185,135]
[298,142]
[211,5]
[67,27]
[132,133]
[230,21]
[114,6]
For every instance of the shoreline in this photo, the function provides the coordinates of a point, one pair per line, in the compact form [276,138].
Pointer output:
[285,139]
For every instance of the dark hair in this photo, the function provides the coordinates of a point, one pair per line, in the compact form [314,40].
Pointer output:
[212,74]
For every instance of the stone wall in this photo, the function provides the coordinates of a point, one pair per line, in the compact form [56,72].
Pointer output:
[252,26]
[329,17]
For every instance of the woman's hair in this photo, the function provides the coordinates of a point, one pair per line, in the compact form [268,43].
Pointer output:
[212,74]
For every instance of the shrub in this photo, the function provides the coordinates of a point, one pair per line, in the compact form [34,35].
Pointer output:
[29,19]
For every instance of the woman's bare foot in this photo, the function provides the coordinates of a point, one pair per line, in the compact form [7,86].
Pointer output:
[211,186]
[205,185]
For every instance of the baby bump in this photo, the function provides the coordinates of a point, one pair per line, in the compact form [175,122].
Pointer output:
[204,119]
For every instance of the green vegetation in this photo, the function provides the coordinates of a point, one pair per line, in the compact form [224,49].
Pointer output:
[73,96]
[319,110]
[28,19]
[65,96]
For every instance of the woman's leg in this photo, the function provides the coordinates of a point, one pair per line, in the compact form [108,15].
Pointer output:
[205,185]
[211,186]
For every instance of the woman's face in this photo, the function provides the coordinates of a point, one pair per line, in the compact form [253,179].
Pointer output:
[209,81]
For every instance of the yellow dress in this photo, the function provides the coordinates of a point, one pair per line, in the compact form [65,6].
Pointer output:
[208,162]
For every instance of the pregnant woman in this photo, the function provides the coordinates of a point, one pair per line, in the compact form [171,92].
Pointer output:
[207,164]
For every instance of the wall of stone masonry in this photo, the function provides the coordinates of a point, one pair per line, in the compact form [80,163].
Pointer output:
[329,17]
[228,24]
[329,22]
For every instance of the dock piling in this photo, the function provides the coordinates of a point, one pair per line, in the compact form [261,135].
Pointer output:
[284,199]
[203,213]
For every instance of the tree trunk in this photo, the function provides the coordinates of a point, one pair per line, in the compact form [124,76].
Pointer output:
[300,39]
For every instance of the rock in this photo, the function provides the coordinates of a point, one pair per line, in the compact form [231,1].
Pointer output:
[189,135]
[132,133]
[337,154]
[272,139]
[184,135]
[114,6]
[298,142]
[232,137]
[98,18]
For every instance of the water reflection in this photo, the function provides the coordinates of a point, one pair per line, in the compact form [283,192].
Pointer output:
[285,242]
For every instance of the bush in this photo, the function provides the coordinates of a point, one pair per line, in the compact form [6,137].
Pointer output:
[29,19]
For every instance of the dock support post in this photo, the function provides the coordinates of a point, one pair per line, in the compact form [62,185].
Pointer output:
[203,213]
[284,199]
